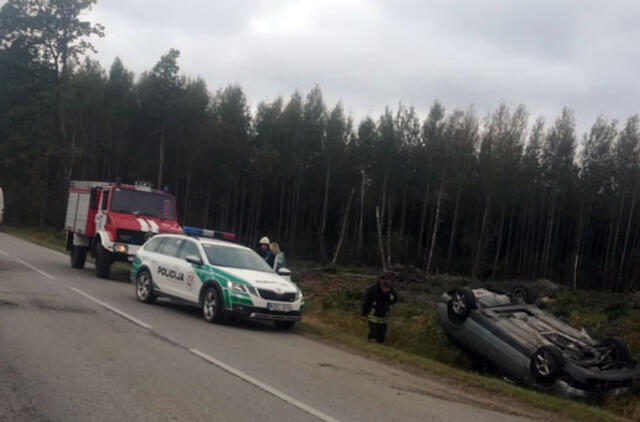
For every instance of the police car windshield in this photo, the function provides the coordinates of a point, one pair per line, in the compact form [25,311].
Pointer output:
[142,203]
[225,256]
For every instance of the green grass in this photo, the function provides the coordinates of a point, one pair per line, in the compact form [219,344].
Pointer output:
[48,237]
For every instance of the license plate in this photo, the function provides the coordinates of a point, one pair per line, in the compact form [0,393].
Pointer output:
[278,307]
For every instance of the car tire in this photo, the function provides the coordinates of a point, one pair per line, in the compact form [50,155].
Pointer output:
[546,365]
[461,303]
[103,262]
[212,305]
[144,287]
[78,256]
[523,295]
[284,325]
[616,348]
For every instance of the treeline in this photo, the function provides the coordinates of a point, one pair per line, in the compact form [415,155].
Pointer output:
[449,192]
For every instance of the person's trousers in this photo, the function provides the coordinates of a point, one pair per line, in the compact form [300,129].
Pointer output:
[377,331]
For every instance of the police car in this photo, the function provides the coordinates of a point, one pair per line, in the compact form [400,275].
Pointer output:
[204,268]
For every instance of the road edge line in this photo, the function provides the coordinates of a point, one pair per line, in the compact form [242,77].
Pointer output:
[39,271]
[112,309]
[271,390]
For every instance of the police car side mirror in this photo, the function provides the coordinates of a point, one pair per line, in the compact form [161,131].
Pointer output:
[192,259]
[284,271]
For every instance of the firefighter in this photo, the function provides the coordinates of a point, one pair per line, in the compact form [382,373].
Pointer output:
[265,252]
[377,306]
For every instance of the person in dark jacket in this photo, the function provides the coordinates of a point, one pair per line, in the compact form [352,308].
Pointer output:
[377,306]
[265,252]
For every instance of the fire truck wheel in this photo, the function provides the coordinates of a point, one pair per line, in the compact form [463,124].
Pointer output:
[78,255]
[103,262]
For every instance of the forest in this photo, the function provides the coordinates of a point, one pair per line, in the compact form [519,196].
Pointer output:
[501,196]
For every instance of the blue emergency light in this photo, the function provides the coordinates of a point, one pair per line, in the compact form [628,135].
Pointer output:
[197,231]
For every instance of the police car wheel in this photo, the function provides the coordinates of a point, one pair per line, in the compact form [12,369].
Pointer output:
[284,325]
[144,288]
[211,305]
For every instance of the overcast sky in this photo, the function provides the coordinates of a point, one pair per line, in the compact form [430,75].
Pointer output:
[370,54]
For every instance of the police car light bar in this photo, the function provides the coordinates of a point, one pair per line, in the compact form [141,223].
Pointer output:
[196,231]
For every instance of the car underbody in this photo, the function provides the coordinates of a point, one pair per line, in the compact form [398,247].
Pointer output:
[532,347]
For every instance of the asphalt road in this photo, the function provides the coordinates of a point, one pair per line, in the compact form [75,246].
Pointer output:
[77,348]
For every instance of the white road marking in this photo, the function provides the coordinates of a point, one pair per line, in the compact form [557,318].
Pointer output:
[112,309]
[4,253]
[263,386]
[39,271]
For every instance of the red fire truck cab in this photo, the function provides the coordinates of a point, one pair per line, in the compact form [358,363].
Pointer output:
[112,220]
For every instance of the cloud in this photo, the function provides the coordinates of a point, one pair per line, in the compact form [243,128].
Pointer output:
[372,54]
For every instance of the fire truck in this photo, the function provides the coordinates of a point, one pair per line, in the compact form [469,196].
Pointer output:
[112,220]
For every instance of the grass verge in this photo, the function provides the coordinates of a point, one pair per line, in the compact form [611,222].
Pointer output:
[48,237]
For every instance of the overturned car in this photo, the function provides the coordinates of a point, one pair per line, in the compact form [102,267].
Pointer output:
[531,346]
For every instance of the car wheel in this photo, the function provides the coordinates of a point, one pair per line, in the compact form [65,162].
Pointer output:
[78,256]
[144,287]
[461,303]
[103,262]
[523,294]
[284,325]
[614,350]
[546,365]
[212,305]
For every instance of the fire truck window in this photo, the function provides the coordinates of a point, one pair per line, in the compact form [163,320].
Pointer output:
[148,204]
[105,199]
[171,247]
[189,248]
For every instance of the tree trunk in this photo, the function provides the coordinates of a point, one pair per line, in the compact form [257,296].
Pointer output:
[361,220]
[436,224]
[510,235]
[483,225]
[325,204]
[614,249]
[546,251]
[389,222]
[626,240]
[453,227]
[281,208]
[383,206]
[345,219]
[186,195]
[160,157]
[499,247]
[611,244]
[380,248]
[423,219]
